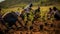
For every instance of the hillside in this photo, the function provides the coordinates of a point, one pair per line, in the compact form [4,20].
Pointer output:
[8,3]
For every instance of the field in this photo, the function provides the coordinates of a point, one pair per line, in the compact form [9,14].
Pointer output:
[43,9]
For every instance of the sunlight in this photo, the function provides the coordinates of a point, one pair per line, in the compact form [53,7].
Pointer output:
[2,0]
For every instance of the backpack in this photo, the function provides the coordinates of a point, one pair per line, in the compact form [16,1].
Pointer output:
[10,18]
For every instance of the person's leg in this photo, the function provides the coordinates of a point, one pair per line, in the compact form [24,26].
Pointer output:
[22,16]
[41,27]
[31,27]
[20,23]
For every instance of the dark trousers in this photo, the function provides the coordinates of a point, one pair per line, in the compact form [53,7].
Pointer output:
[41,27]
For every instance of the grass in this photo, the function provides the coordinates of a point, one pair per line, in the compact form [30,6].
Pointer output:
[43,9]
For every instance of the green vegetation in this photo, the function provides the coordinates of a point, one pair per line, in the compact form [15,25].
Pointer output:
[14,3]
[44,10]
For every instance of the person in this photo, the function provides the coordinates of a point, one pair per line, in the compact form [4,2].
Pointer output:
[50,10]
[1,19]
[49,13]
[10,18]
[37,10]
[22,15]
[37,13]
[57,13]
[57,20]
[20,19]
[27,9]
[54,10]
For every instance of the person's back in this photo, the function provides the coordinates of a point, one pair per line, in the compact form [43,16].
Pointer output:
[56,14]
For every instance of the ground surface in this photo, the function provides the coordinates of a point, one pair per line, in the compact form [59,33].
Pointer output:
[44,9]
